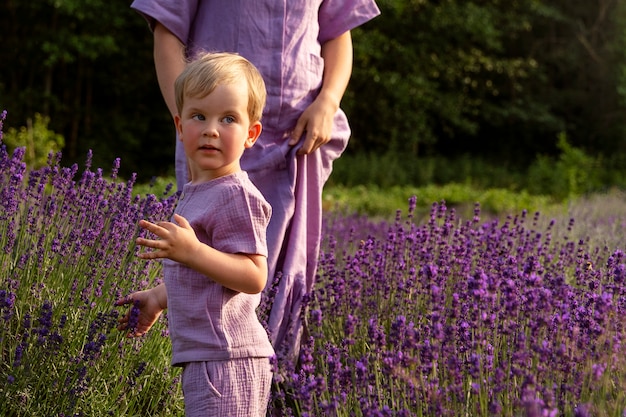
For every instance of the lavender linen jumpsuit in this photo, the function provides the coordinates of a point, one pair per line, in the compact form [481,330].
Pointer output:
[283,39]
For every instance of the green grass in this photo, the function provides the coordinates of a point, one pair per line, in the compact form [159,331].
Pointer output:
[376,201]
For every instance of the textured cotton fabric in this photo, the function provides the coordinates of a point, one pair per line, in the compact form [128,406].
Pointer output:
[206,320]
[283,39]
[235,388]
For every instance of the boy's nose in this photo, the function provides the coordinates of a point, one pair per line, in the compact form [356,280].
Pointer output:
[211,130]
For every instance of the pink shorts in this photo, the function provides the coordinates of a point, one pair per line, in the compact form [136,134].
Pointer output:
[233,388]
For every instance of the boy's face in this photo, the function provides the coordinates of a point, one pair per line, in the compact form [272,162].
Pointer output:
[215,131]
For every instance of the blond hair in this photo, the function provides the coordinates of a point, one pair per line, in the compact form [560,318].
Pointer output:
[208,70]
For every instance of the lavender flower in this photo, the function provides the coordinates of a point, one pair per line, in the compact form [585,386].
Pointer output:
[67,252]
[3,117]
[498,296]
[444,317]
[134,317]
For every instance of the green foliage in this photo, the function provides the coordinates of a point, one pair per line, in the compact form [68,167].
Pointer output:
[383,201]
[439,71]
[38,140]
[618,63]
[456,80]
[395,168]
[572,174]
[495,80]
[87,65]
[379,202]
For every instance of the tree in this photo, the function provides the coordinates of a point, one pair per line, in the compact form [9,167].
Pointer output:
[494,79]
[87,65]
[489,78]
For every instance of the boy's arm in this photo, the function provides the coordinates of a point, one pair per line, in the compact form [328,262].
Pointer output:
[169,62]
[317,119]
[245,273]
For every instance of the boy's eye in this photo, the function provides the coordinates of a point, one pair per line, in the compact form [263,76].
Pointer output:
[197,117]
[228,119]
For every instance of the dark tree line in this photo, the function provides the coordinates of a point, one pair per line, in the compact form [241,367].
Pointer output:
[490,78]
[495,79]
[87,64]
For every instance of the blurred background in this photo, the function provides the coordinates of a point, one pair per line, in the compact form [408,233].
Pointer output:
[521,94]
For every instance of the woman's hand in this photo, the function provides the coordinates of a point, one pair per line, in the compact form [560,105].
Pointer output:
[317,123]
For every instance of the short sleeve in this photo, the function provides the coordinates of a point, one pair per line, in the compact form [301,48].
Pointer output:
[242,226]
[177,16]
[339,16]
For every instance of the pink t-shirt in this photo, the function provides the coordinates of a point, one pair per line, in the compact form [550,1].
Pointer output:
[206,320]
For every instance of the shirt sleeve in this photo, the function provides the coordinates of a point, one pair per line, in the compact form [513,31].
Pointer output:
[242,226]
[177,16]
[339,16]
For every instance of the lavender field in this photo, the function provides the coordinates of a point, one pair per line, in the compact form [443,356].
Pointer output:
[438,316]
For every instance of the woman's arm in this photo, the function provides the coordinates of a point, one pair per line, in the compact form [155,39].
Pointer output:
[337,54]
[317,119]
[169,61]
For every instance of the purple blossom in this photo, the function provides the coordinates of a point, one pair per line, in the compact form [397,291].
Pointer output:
[316,317]
[19,353]
[45,322]
[3,117]
[582,411]
[67,238]
[133,320]
[438,316]
[7,302]
[494,294]
[350,325]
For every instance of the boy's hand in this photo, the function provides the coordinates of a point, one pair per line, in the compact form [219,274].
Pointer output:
[147,307]
[177,241]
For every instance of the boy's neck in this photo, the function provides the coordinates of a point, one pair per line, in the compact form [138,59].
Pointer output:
[211,176]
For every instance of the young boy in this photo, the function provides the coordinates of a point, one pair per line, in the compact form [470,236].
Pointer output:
[214,250]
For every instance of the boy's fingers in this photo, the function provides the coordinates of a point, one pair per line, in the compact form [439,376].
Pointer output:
[182,222]
[146,242]
[151,227]
[144,224]
[123,301]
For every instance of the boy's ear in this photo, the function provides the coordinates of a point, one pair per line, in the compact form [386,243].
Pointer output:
[254,131]
[179,127]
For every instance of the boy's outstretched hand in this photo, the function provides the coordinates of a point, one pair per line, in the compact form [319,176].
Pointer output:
[176,241]
[147,307]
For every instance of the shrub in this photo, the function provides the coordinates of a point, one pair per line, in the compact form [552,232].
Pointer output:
[37,140]
[67,254]
[442,316]
[462,317]
[573,174]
